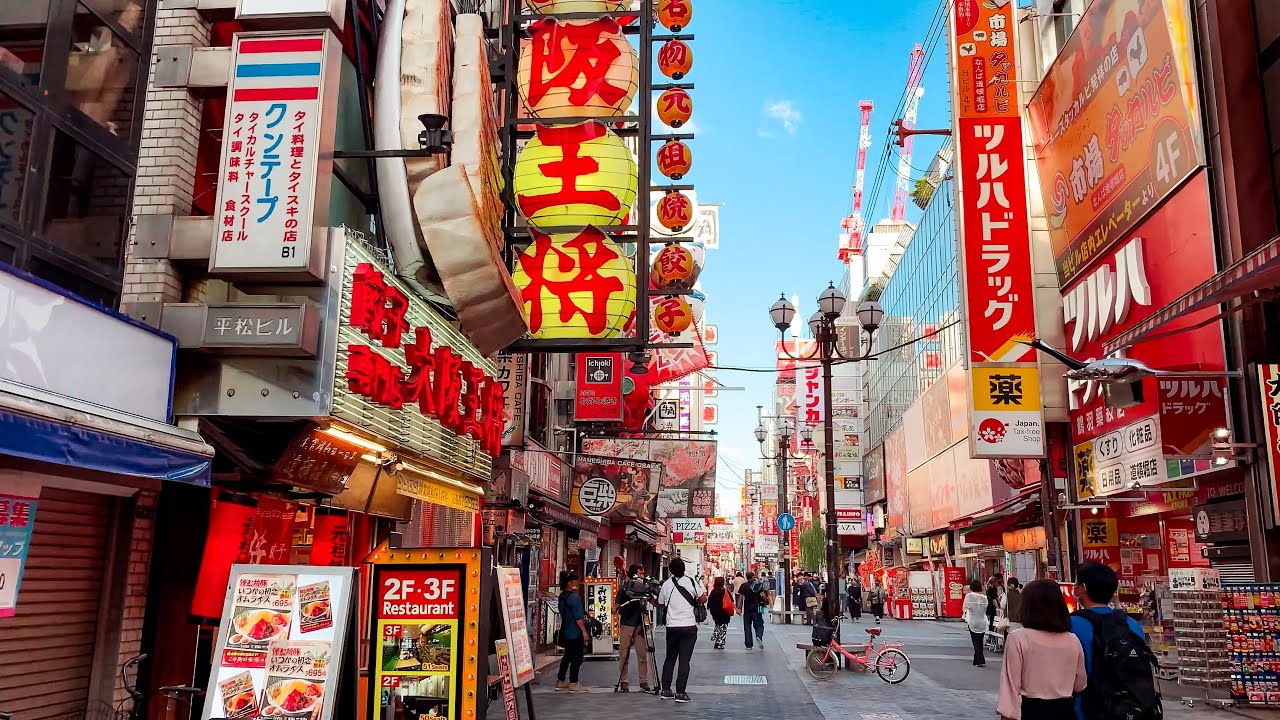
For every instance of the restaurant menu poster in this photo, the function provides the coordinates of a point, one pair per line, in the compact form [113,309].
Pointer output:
[600,593]
[516,625]
[280,643]
[420,635]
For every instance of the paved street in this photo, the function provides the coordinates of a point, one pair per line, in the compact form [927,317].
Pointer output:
[942,683]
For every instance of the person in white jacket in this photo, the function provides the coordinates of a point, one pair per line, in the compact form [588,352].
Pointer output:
[975,616]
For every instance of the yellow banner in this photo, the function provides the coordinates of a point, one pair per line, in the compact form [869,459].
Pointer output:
[432,491]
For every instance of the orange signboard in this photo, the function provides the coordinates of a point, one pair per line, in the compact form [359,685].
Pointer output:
[1115,125]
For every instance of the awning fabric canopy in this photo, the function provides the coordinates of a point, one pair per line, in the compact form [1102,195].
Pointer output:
[1259,270]
[987,527]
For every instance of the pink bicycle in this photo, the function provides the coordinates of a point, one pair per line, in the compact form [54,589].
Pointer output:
[891,664]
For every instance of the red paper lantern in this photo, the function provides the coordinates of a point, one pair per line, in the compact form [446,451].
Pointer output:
[675,211]
[329,538]
[672,315]
[675,107]
[674,268]
[674,159]
[230,520]
[675,14]
[675,59]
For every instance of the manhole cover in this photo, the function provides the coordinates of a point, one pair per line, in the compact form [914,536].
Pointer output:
[745,680]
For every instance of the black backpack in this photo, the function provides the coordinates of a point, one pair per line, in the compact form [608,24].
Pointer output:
[1122,683]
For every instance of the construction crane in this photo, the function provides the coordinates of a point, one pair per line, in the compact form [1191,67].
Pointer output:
[908,122]
[851,240]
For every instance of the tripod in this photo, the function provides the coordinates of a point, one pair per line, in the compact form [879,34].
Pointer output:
[646,632]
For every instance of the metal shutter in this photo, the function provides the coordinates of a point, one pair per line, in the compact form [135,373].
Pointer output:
[1234,571]
[47,648]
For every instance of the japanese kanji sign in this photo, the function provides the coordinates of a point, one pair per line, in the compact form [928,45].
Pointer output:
[575,285]
[17,519]
[278,135]
[598,396]
[1269,390]
[284,328]
[1115,125]
[579,68]
[995,251]
[513,372]
[810,409]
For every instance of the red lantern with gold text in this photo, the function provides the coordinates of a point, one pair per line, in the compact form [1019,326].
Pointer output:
[578,68]
[674,268]
[672,315]
[675,59]
[674,159]
[329,537]
[230,522]
[675,14]
[675,107]
[675,211]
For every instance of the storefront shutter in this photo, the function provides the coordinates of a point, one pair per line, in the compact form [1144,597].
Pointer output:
[1234,571]
[47,648]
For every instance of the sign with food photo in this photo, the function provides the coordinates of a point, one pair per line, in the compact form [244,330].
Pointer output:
[281,640]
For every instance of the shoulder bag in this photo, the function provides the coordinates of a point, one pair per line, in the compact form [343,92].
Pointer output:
[699,609]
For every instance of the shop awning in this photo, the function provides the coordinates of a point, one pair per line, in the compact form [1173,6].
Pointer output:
[108,442]
[987,527]
[1259,270]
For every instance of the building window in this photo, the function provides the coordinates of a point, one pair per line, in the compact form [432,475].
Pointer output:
[85,208]
[23,26]
[102,73]
[17,123]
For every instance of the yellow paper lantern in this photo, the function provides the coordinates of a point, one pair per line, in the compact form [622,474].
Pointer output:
[575,175]
[675,14]
[672,315]
[674,268]
[575,285]
[674,159]
[583,68]
[675,211]
[555,7]
[675,107]
[675,59]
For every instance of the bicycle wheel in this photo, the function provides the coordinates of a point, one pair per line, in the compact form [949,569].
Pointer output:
[893,666]
[821,663]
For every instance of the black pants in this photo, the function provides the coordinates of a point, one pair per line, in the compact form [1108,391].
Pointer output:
[1056,709]
[878,611]
[991,621]
[977,638]
[855,609]
[571,661]
[680,641]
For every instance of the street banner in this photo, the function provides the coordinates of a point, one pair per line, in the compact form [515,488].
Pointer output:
[615,488]
[688,482]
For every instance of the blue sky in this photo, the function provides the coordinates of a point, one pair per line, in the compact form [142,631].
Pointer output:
[776,117]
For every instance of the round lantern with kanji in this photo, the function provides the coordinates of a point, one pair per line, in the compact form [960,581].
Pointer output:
[575,175]
[579,68]
[675,211]
[675,107]
[675,14]
[672,315]
[675,59]
[556,7]
[575,285]
[674,268]
[674,159]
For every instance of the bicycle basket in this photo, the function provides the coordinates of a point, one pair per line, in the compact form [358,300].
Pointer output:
[823,634]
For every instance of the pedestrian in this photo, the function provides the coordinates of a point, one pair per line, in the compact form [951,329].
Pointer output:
[631,616]
[680,595]
[855,598]
[1117,661]
[876,598]
[591,559]
[1013,604]
[750,600]
[573,633]
[809,597]
[1037,679]
[720,606]
[738,579]
[994,589]
[975,610]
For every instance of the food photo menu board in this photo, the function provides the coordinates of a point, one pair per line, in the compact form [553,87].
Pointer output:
[280,644]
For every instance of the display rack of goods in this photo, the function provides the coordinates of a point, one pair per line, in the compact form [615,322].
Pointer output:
[1251,615]
[922,603]
[1159,625]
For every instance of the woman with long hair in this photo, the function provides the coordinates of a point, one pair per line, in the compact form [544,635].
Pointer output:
[720,606]
[1043,662]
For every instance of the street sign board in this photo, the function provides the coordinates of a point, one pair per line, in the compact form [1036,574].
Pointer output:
[786,522]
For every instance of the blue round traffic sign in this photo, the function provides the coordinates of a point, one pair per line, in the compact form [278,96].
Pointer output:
[786,522]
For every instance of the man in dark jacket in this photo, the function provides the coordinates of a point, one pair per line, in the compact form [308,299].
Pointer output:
[809,597]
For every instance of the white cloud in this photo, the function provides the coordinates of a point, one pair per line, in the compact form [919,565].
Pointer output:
[785,112]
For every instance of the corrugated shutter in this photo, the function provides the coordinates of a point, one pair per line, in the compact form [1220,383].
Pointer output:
[47,648]
[1234,571]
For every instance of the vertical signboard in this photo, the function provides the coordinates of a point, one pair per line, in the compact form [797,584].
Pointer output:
[17,519]
[995,252]
[1269,389]
[277,154]
[512,370]
[810,409]
[599,388]
[514,624]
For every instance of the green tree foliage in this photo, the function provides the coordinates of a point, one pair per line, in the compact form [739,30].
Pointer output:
[813,548]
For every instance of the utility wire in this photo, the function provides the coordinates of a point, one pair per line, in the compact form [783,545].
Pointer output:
[885,351]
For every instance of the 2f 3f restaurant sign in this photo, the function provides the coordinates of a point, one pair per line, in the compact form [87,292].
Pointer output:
[994,230]
[407,375]
[273,184]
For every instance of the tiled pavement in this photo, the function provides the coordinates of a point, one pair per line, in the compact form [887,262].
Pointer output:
[943,684]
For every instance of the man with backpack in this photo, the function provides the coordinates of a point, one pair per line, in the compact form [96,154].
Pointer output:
[1117,660]
[751,598]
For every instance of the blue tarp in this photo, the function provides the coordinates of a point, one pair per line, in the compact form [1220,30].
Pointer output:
[50,441]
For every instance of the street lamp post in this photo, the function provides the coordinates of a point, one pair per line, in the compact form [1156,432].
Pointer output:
[784,548]
[822,324]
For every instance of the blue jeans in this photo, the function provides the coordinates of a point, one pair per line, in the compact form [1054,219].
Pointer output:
[753,620]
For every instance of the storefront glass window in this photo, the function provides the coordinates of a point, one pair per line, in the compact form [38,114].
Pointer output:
[16,126]
[102,73]
[53,272]
[128,14]
[86,205]
[22,38]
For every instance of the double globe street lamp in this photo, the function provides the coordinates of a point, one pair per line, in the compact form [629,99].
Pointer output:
[829,349]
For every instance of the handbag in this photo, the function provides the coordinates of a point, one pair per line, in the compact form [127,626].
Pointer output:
[811,602]
[699,609]
[727,604]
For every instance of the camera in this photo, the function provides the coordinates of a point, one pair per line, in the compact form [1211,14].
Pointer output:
[641,587]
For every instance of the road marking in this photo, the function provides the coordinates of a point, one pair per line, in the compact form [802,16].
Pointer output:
[745,680]
[881,716]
